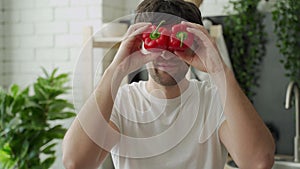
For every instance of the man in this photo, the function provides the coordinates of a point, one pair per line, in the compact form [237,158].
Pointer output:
[168,121]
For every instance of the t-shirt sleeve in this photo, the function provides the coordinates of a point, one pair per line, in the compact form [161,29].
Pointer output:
[213,110]
[222,120]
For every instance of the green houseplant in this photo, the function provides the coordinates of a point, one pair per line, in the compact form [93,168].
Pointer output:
[28,126]
[287,28]
[244,31]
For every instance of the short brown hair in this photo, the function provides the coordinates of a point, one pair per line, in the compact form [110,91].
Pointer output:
[181,9]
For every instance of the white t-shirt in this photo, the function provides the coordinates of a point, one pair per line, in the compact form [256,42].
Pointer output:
[179,133]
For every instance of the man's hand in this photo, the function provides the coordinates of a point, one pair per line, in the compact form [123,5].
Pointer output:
[129,56]
[204,56]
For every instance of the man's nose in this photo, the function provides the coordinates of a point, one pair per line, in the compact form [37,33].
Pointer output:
[166,55]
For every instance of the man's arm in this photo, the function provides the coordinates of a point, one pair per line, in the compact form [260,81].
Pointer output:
[87,154]
[244,134]
[79,150]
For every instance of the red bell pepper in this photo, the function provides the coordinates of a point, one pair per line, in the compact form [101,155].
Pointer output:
[156,37]
[180,38]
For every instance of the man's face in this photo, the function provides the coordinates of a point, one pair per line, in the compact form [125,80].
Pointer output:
[167,69]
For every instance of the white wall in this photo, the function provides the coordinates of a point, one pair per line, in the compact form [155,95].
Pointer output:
[113,9]
[44,33]
[1,42]
[214,7]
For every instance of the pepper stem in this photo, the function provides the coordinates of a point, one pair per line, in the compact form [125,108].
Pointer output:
[155,34]
[181,36]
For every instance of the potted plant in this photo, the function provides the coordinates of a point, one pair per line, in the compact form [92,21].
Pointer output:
[28,122]
[287,28]
[246,38]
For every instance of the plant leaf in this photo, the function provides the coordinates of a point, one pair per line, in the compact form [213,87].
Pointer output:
[62,115]
[48,162]
[49,149]
[14,89]
[45,72]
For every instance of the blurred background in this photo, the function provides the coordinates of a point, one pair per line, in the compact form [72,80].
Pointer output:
[50,34]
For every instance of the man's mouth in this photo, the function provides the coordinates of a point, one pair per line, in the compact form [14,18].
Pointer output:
[166,66]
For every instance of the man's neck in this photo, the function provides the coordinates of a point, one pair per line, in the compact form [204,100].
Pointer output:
[166,92]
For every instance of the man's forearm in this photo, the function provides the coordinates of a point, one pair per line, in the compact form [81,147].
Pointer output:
[249,137]
[107,89]
[80,148]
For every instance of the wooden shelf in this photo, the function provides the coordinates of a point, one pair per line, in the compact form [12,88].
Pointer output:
[106,42]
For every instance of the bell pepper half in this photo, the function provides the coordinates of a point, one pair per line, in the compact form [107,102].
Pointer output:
[180,38]
[156,37]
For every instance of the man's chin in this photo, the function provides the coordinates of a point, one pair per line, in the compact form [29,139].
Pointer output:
[165,79]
